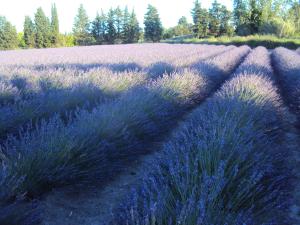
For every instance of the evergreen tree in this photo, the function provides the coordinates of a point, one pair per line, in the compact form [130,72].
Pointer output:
[8,35]
[29,33]
[118,14]
[241,16]
[99,28]
[200,19]
[134,29]
[111,29]
[153,26]
[255,19]
[225,16]
[126,25]
[81,28]
[54,26]
[215,18]
[42,29]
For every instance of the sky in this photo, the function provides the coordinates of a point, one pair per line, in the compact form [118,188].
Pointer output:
[170,10]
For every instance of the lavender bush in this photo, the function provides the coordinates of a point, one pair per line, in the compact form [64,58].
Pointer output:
[44,91]
[8,93]
[98,85]
[226,164]
[95,143]
[287,66]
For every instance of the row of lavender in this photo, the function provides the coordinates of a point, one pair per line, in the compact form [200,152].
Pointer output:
[229,162]
[37,77]
[32,95]
[95,143]
[287,65]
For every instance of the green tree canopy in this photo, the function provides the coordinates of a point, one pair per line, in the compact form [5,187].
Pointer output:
[133,29]
[126,25]
[241,16]
[153,26]
[42,29]
[81,27]
[8,35]
[99,27]
[111,29]
[118,20]
[200,19]
[29,32]
[215,18]
[54,25]
[183,27]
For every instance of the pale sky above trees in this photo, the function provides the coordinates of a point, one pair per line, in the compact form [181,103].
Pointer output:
[170,11]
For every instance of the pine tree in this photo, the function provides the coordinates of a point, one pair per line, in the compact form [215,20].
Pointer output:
[54,26]
[153,26]
[215,18]
[81,28]
[126,26]
[225,16]
[99,28]
[111,29]
[134,29]
[241,16]
[118,24]
[200,19]
[43,29]
[29,32]
[8,35]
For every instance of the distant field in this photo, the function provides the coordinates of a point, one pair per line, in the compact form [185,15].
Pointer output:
[269,42]
[221,124]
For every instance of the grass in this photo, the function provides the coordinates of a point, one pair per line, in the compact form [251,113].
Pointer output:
[267,41]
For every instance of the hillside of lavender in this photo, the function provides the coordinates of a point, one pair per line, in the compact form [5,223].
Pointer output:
[222,124]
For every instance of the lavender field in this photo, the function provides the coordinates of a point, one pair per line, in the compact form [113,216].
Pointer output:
[219,124]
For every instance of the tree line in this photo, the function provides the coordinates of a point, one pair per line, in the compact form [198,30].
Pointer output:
[117,26]
[114,27]
[278,17]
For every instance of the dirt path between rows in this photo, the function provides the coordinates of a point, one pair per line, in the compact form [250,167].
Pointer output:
[93,204]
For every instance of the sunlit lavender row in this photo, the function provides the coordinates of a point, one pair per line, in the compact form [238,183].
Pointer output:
[32,94]
[227,163]
[212,116]
[95,142]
